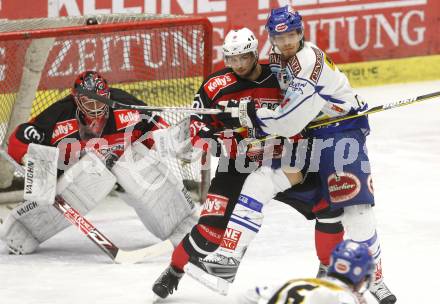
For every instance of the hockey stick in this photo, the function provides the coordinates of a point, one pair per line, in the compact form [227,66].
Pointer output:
[119,105]
[75,218]
[376,109]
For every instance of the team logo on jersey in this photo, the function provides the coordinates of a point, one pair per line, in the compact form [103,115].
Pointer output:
[215,84]
[126,118]
[63,129]
[230,239]
[282,27]
[343,187]
[298,86]
[33,135]
[215,205]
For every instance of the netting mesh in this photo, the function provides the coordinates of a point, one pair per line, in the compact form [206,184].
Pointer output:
[161,65]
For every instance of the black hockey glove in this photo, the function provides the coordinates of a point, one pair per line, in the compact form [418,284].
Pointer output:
[238,113]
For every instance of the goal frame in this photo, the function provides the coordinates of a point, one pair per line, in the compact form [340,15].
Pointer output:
[124,26]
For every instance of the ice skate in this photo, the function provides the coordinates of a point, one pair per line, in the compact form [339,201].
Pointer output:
[381,293]
[167,282]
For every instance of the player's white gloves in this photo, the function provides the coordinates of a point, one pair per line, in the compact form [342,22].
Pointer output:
[172,141]
[241,113]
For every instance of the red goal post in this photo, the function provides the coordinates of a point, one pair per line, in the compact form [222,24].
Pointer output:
[161,59]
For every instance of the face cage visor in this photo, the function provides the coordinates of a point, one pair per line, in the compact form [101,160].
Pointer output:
[90,107]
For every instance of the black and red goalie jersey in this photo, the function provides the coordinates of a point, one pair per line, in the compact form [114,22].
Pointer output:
[61,125]
[225,85]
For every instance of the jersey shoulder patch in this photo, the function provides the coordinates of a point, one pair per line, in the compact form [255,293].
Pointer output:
[312,61]
[126,118]
[329,62]
[216,83]
[63,129]
[294,66]
[319,64]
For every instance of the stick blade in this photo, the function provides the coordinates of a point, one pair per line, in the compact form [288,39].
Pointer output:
[136,256]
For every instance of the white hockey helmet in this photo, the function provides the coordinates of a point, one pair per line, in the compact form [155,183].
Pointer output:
[240,41]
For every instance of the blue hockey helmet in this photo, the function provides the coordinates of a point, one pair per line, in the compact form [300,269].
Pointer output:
[282,20]
[351,260]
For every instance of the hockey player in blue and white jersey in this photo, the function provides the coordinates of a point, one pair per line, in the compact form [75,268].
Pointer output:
[314,89]
[349,274]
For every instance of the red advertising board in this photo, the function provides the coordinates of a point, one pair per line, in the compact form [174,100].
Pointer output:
[348,30]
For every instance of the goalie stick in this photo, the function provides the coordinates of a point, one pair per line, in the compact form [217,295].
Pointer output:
[119,105]
[114,252]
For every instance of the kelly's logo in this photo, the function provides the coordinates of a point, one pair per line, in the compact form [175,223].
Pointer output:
[63,129]
[215,84]
[126,118]
[215,205]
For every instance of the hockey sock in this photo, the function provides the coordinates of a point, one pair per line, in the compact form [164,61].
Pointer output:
[374,247]
[245,222]
[201,241]
[327,236]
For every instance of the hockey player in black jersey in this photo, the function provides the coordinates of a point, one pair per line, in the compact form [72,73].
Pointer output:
[97,147]
[243,79]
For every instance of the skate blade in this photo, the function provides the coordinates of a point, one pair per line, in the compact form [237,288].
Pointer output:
[156,299]
[214,283]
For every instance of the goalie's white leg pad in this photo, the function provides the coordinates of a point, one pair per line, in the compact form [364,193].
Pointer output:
[86,183]
[41,173]
[82,186]
[17,238]
[184,227]
[157,195]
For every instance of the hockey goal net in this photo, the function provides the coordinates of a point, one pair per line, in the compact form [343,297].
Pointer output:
[161,59]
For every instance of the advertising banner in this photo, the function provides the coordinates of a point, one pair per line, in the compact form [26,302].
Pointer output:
[349,31]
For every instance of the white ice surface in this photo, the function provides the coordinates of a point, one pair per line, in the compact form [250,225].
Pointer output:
[404,149]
